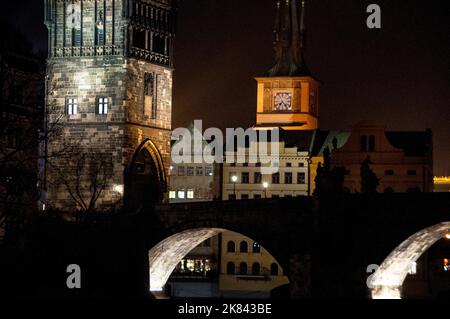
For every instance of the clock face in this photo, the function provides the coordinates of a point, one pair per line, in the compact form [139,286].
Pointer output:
[283,101]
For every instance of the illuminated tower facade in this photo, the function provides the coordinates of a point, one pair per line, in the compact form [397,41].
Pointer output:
[288,95]
[109,101]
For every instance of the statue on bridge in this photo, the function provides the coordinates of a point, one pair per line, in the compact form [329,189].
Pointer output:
[369,181]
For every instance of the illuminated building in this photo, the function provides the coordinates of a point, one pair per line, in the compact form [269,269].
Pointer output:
[441,184]
[109,88]
[401,160]
[288,95]
[229,265]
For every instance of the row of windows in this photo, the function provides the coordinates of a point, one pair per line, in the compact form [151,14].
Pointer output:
[102,107]
[182,194]
[255,271]
[257,178]
[193,171]
[243,247]
[233,196]
[301,164]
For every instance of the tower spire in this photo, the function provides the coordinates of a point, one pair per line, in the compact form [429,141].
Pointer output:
[290,34]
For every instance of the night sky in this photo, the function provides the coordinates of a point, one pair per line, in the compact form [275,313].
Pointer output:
[398,76]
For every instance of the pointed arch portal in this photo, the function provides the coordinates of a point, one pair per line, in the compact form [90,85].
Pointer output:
[388,279]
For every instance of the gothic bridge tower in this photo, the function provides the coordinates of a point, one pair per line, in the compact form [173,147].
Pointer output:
[109,101]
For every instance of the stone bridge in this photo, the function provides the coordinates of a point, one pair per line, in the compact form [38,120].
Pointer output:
[324,245]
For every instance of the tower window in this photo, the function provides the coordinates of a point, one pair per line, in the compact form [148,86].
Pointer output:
[150,89]
[72,106]
[100,29]
[102,107]
[76,37]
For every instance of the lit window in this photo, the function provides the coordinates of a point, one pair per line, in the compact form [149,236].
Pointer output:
[181,194]
[102,105]
[172,194]
[72,106]
[190,194]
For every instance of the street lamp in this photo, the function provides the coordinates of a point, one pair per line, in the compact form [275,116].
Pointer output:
[234,179]
[447,236]
[265,186]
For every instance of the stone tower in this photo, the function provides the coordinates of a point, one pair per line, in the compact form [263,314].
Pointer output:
[288,95]
[109,102]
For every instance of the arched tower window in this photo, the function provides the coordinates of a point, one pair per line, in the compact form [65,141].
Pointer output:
[244,247]
[231,247]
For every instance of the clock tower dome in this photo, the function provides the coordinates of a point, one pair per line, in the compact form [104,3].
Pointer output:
[288,95]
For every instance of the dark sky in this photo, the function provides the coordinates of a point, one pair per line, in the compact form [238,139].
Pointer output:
[398,76]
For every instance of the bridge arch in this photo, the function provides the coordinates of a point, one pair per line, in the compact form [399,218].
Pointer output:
[165,256]
[387,281]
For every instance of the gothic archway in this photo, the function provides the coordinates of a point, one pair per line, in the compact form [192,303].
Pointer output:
[146,177]
[388,279]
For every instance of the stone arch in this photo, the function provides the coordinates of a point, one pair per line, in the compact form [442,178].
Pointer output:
[164,256]
[387,281]
[145,177]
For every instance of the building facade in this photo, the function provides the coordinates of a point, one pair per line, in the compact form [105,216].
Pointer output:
[247,181]
[402,161]
[109,96]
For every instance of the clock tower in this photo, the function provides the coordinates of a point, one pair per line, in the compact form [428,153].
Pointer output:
[288,95]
